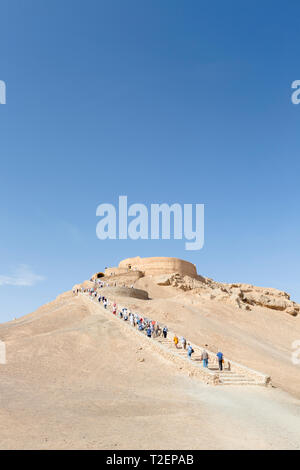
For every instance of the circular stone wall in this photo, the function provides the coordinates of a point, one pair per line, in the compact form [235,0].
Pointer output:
[124,292]
[159,265]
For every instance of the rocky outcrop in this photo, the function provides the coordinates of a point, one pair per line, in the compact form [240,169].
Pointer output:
[243,296]
[178,280]
[269,298]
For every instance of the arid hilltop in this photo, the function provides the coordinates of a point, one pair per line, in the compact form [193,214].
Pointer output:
[182,274]
[153,266]
[76,377]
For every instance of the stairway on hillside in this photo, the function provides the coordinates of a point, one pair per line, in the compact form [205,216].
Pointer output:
[226,377]
[233,373]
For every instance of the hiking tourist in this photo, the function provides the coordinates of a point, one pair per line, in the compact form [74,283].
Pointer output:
[190,351]
[220,360]
[153,329]
[204,358]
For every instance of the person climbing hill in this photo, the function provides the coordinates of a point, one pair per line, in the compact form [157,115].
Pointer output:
[220,360]
[204,358]
[190,351]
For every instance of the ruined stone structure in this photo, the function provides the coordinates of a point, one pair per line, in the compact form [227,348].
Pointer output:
[97,276]
[154,266]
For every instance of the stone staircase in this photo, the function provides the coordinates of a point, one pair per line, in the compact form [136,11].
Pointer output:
[233,373]
[233,378]
[226,377]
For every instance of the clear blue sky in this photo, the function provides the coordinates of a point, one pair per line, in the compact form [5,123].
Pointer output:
[163,101]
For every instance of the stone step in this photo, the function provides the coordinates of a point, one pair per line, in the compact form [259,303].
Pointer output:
[232,376]
[246,382]
[235,379]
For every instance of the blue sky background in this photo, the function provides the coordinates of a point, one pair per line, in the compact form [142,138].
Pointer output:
[163,101]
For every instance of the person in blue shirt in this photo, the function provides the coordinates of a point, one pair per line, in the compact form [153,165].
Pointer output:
[220,360]
[149,332]
[190,351]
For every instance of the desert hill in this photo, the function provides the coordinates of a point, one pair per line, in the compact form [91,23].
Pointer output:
[73,379]
[252,325]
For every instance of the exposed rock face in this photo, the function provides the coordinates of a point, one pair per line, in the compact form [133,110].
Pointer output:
[242,295]
[185,283]
[270,298]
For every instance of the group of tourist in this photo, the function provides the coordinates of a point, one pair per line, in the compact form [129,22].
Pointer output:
[150,327]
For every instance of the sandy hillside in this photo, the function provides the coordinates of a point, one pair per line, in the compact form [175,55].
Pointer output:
[74,380]
[260,338]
